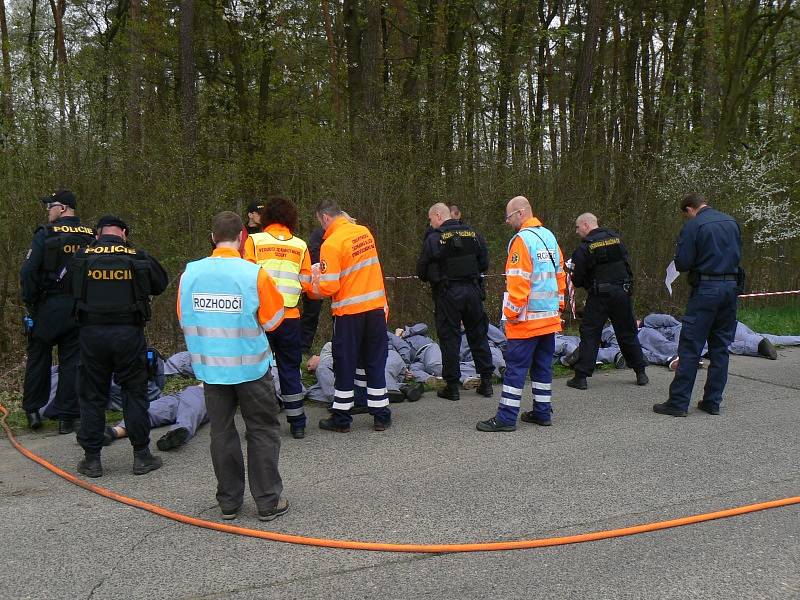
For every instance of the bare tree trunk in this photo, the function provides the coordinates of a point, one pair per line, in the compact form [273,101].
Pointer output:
[585,71]
[187,75]
[334,61]
[513,17]
[135,82]
[352,38]
[372,60]
[267,56]
[698,74]
[5,88]
[61,62]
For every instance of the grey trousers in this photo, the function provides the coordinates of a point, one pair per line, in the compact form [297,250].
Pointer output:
[259,408]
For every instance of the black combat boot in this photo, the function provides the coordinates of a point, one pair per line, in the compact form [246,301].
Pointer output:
[144,462]
[449,392]
[485,387]
[91,465]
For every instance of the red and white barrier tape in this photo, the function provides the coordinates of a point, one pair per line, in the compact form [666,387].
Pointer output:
[761,294]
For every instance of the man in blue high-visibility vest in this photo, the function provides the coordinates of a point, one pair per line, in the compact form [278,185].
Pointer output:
[225,304]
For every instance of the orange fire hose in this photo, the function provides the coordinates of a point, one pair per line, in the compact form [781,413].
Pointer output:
[386,547]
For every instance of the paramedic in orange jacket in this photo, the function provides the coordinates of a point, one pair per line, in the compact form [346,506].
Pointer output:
[285,257]
[535,284]
[350,273]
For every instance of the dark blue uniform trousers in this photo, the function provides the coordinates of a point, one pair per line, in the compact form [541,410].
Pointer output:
[710,315]
[285,342]
[534,355]
[54,325]
[360,348]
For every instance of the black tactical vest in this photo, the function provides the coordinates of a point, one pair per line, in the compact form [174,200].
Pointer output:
[458,259]
[607,260]
[61,243]
[111,285]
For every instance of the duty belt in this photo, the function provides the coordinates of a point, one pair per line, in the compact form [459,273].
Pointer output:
[727,277]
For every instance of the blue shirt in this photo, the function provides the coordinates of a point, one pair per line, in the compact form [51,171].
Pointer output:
[710,244]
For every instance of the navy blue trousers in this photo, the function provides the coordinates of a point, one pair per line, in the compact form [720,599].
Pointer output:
[360,348]
[710,316]
[534,355]
[285,342]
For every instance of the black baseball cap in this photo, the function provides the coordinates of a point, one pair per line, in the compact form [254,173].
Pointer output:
[64,197]
[111,221]
[255,206]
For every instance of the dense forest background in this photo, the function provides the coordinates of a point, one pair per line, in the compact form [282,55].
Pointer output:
[166,112]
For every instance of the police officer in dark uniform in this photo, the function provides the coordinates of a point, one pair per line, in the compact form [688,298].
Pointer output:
[453,259]
[709,248]
[600,265]
[254,217]
[112,283]
[43,280]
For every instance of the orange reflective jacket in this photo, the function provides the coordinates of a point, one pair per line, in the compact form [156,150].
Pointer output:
[350,272]
[523,283]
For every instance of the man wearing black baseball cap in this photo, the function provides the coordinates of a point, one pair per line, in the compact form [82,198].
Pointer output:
[46,294]
[111,284]
[254,216]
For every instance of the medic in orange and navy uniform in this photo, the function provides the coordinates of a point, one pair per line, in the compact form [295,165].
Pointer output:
[535,285]
[350,273]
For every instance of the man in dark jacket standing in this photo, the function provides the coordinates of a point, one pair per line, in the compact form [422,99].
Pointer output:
[49,302]
[709,248]
[453,260]
[600,265]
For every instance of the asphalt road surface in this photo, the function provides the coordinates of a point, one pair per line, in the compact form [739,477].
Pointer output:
[608,461]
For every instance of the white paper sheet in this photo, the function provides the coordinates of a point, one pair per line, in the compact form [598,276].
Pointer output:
[672,275]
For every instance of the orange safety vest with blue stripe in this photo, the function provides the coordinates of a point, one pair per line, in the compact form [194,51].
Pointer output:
[535,282]
[350,271]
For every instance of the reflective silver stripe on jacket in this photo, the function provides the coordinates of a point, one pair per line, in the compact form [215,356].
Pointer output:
[519,273]
[329,277]
[223,332]
[544,314]
[283,274]
[305,278]
[357,299]
[285,289]
[515,309]
[543,295]
[359,265]
[273,321]
[231,361]
[543,275]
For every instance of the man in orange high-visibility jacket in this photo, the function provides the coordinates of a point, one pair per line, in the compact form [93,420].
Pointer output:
[285,257]
[535,284]
[350,273]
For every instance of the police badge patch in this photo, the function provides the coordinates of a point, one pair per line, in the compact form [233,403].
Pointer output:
[514,258]
[323,266]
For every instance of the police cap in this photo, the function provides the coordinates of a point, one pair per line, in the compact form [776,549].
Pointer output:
[255,206]
[111,221]
[64,197]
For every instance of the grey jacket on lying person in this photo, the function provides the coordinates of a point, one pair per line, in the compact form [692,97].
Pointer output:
[660,333]
[567,344]
[322,391]
[425,360]
[185,408]
[497,344]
